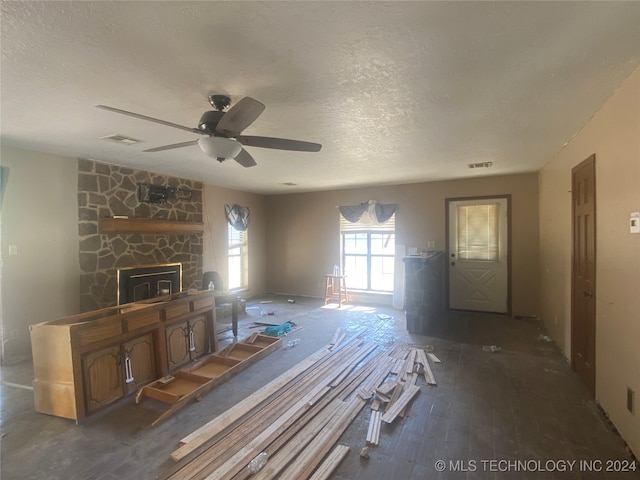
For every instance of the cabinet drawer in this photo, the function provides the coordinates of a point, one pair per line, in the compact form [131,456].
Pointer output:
[142,320]
[99,333]
[203,301]
[173,311]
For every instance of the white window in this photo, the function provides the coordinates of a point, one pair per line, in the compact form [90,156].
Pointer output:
[237,254]
[368,255]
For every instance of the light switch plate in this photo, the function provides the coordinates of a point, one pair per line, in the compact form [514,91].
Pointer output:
[634,222]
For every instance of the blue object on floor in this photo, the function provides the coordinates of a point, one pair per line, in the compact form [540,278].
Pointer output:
[276,331]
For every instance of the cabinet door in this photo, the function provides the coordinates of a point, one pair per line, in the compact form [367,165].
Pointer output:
[199,342]
[177,345]
[140,365]
[103,377]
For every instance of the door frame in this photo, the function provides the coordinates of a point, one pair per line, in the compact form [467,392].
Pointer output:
[590,383]
[447,201]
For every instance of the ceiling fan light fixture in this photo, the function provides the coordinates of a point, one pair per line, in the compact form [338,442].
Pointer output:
[219,147]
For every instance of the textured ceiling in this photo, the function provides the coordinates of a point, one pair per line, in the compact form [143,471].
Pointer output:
[396,92]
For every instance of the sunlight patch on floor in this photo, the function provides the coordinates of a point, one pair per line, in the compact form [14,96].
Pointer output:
[349,308]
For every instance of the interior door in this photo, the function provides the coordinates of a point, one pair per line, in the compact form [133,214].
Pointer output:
[479,254]
[583,272]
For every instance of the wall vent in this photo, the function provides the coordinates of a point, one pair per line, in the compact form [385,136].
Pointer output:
[480,165]
[289,184]
[122,139]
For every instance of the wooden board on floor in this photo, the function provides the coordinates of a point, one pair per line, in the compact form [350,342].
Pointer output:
[195,380]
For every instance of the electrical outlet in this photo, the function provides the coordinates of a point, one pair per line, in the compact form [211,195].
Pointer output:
[13,250]
[631,400]
[431,244]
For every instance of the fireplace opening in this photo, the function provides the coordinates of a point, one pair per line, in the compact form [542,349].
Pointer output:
[148,281]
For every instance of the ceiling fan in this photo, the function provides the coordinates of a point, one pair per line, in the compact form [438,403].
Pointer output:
[222,130]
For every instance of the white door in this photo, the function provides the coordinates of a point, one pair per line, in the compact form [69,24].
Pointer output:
[478,252]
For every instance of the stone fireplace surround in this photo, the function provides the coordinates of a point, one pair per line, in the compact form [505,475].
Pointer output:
[110,190]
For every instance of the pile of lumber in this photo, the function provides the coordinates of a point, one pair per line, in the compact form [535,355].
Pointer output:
[298,418]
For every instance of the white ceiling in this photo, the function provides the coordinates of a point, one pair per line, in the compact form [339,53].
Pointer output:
[396,92]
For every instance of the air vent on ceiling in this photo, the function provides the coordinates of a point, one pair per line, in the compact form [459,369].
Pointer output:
[480,165]
[122,139]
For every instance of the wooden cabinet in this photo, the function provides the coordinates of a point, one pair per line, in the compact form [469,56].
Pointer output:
[139,362]
[103,379]
[187,341]
[199,331]
[177,345]
[85,362]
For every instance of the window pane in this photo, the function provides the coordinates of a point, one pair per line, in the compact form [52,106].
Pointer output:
[478,232]
[235,236]
[237,258]
[355,243]
[356,270]
[383,243]
[382,273]
[235,272]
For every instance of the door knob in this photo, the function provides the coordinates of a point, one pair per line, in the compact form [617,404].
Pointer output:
[587,294]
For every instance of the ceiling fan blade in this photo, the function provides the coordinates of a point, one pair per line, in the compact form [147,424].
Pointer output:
[172,146]
[239,117]
[149,119]
[245,159]
[278,143]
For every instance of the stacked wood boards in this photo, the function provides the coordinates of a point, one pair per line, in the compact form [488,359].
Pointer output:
[296,420]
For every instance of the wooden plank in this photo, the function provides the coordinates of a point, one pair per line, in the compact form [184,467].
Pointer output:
[396,394]
[334,340]
[434,358]
[152,391]
[238,461]
[228,443]
[253,424]
[310,458]
[410,361]
[327,467]
[147,225]
[387,387]
[373,433]
[281,458]
[340,339]
[218,424]
[286,446]
[404,399]
[428,374]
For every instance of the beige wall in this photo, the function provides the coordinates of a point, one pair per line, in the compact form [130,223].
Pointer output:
[613,134]
[215,238]
[40,217]
[303,239]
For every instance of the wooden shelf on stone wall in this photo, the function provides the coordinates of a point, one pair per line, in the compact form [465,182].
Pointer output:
[147,225]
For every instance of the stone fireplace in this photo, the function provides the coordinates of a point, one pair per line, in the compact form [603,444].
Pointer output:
[107,191]
[148,281]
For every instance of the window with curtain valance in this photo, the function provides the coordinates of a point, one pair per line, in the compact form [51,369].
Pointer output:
[237,246]
[367,232]
[237,216]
